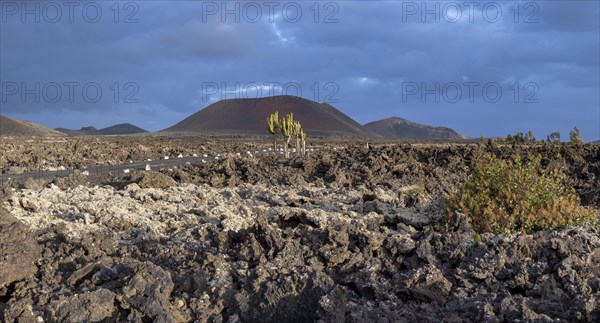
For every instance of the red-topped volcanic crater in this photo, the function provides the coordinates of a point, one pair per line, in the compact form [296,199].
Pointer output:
[248,116]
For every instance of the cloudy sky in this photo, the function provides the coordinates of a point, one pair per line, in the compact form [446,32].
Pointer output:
[482,68]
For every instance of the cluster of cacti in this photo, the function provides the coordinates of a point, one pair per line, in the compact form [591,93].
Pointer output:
[288,128]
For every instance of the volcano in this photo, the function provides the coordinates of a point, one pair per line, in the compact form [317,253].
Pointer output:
[248,116]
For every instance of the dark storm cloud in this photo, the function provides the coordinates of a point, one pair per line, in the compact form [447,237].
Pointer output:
[161,66]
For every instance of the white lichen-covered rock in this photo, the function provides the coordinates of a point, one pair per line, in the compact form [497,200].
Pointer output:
[136,212]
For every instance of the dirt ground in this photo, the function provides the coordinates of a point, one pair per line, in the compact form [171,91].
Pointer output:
[349,233]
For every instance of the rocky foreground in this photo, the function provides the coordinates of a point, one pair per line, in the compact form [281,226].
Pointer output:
[298,241]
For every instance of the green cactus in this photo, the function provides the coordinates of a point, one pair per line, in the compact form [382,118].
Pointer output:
[287,128]
[297,130]
[302,137]
[272,126]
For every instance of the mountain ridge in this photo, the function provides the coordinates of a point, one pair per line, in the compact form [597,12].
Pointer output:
[118,129]
[396,127]
[14,127]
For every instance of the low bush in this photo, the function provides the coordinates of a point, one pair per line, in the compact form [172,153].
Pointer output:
[518,195]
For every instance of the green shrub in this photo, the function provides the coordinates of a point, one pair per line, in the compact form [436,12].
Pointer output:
[575,137]
[520,138]
[508,196]
[554,137]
